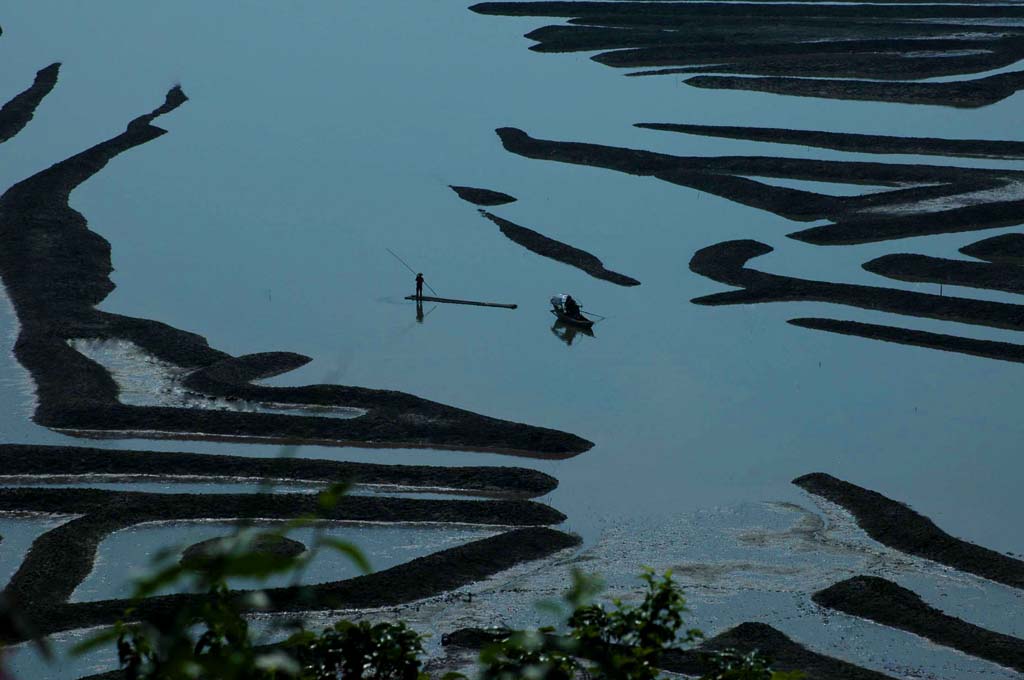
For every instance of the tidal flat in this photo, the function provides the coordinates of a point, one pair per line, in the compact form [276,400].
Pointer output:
[261,220]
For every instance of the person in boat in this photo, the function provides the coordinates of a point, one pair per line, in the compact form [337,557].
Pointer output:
[419,286]
[571,308]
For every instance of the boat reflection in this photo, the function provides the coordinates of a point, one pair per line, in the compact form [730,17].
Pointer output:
[567,332]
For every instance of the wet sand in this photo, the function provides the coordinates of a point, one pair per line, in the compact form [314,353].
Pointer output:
[889,604]
[897,526]
[506,482]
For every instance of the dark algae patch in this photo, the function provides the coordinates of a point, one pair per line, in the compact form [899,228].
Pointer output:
[556,250]
[897,526]
[877,216]
[889,604]
[482,196]
[17,113]
[198,554]
[1005,249]
[986,349]
[925,269]
[859,51]
[853,142]
[726,263]
[74,461]
[960,94]
[414,580]
[56,270]
[787,654]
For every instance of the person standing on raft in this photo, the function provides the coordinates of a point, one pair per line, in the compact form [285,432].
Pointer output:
[419,286]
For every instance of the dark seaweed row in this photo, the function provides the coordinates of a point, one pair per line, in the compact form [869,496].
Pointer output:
[725,263]
[414,580]
[556,250]
[986,349]
[926,269]
[482,196]
[60,558]
[856,218]
[962,94]
[889,604]
[897,526]
[23,459]
[56,271]
[747,637]
[1005,249]
[854,143]
[809,49]
[16,113]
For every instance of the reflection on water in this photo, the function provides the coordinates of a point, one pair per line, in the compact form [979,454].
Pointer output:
[567,332]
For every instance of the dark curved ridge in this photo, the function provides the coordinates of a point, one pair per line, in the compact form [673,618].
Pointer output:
[853,142]
[17,112]
[556,250]
[786,654]
[677,10]
[889,59]
[61,558]
[31,459]
[1004,249]
[414,580]
[960,94]
[56,270]
[479,196]
[859,229]
[889,604]
[729,177]
[897,526]
[926,269]
[199,553]
[726,263]
[986,349]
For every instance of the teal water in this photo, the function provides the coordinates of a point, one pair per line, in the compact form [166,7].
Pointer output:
[317,135]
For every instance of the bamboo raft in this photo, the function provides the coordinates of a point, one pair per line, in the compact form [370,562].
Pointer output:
[462,302]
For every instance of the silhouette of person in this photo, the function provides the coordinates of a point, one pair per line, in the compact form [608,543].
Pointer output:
[419,285]
[571,308]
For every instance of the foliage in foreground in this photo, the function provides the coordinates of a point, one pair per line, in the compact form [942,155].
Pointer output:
[210,638]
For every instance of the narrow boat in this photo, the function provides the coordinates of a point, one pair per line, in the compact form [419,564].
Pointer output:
[558,308]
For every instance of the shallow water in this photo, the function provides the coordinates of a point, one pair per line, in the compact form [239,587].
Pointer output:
[135,550]
[317,135]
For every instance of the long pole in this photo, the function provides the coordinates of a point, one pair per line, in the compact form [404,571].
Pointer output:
[412,270]
[602,318]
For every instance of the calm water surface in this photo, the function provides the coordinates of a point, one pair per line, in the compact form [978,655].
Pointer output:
[319,134]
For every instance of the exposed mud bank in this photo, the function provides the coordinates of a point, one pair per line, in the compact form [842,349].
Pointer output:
[889,604]
[18,459]
[61,558]
[969,94]
[556,250]
[787,655]
[726,263]
[198,554]
[482,196]
[1005,249]
[417,579]
[972,198]
[897,526]
[865,51]
[986,349]
[56,271]
[925,269]
[854,143]
[17,112]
